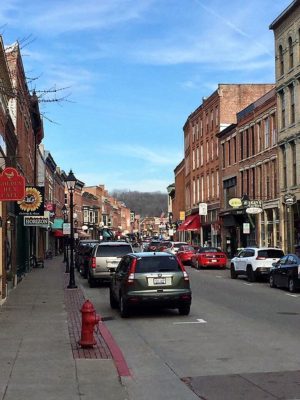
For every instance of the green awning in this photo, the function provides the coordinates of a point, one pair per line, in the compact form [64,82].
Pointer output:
[57,224]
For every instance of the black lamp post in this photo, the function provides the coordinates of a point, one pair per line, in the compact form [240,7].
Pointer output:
[66,256]
[71,183]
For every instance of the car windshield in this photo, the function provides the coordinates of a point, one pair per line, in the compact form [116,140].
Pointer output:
[270,253]
[113,251]
[187,248]
[177,245]
[209,250]
[157,264]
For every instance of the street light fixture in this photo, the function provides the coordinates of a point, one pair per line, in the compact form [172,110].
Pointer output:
[71,183]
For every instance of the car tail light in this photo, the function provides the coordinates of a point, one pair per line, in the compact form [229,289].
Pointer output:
[93,262]
[185,274]
[131,273]
[261,258]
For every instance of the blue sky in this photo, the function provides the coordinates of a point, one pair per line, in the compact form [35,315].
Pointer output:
[135,71]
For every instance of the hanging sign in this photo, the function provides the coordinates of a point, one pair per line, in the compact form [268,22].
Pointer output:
[33,201]
[235,202]
[182,215]
[253,210]
[202,208]
[12,185]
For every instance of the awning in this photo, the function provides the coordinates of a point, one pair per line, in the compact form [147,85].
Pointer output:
[58,233]
[191,223]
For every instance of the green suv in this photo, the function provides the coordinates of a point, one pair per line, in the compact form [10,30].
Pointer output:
[150,278]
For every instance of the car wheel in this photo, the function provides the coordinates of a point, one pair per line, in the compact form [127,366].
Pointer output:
[233,274]
[250,274]
[271,281]
[291,285]
[112,300]
[198,266]
[184,309]
[124,310]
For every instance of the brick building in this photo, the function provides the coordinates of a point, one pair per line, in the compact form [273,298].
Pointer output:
[201,152]
[286,29]
[249,172]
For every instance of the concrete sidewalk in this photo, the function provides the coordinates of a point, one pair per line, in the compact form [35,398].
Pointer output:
[40,358]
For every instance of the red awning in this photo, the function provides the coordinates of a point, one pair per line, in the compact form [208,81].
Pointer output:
[191,223]
[58,233]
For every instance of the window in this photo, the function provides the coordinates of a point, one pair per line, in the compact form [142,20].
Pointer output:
[217,114]
[201,128]
[291,54]
[194,191]
[284,166]
[274,178]
[202,188]
[197,130]
[218,184]
[247,142]
[242,183]
[212,185]
[197,157]
[198,189]
[253,140]
[207,151]
[294,164]
[274,134]
[212,149]
[260,181]
[193,159]
[280,60]
[212,119]
[242,144]
[292,104]
[229,152]
[201,154]
[267,132]
[259,144]
[206,118]
[207,184]
[223,155]
[253,183]
[282,108]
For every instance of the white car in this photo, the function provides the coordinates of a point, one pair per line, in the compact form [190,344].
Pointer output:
[254,262]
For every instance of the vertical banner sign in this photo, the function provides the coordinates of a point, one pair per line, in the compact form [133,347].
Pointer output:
[33,201]
[12,185]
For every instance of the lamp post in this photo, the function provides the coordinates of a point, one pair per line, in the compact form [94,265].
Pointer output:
[71,183]
[66,255]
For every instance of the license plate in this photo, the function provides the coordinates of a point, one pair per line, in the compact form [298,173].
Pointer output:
[214,260]
[159,281]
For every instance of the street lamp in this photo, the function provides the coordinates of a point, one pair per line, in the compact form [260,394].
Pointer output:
[66,255]
[71,183]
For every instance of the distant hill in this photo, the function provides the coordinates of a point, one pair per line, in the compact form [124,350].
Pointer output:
[147,204]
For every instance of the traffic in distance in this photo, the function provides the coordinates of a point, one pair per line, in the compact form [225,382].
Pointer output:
[152,273]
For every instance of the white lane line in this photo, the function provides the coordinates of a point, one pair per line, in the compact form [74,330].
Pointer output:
[292,295]
[198,321]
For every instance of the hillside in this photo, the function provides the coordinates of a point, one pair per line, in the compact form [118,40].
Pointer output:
[147,204]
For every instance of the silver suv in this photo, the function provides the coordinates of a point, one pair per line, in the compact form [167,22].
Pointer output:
[105,259]
[254,262]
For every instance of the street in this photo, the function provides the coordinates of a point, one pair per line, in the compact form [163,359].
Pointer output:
[235,336]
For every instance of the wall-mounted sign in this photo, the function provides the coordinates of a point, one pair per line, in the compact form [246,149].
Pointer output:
[202,208]
[289,199]
[66,228]
[182,215]
[12,185]
[252,203]
[235,202]
[33,201]
[253,210]
[36,220]
[246,228]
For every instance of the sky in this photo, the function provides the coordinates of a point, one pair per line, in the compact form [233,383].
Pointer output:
[133,71]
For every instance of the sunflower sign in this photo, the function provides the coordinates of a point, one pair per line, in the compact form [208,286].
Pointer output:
[33,202]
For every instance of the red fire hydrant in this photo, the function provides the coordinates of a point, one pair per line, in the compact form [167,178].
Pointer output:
[89,320]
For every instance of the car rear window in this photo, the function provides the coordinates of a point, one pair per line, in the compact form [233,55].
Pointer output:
[187,248]
[157,264]
[270,253]
[113,251]
[209,250]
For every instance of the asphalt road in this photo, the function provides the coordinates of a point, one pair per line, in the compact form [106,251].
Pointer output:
[240,341]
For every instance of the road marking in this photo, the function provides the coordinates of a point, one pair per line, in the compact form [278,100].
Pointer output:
[292,295]
[219,276]
[248,284]
[198,321]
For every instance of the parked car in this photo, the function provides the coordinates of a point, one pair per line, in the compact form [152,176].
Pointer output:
[173,247]
[80,251]
[105,259]
[86,257]
[209,257]
[185,253]
[159,279]
[286,273]
[254,262]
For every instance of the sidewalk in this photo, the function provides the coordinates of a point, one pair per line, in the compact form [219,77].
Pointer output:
[40,324]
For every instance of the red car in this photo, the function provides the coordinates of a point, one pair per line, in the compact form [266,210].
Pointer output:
[209,257]
[185,253]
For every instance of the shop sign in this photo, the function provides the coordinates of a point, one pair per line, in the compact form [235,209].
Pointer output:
[32,203]
[252,203]
[66,228]
[289,199]
[36,221]
[235,202]
[12,185]
[253,210]
[202,208]
[182,215]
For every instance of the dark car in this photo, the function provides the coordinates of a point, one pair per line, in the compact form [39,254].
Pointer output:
[157,279]
[86,256]
[209,257]
[153,245]
[81,249]
[285,273]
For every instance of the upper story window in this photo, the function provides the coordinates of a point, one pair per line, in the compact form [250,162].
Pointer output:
[197,131]
[280,60]
[201,154]
[234,149]
[274,131]
[242,144]
[212,149]
[207,123]
[212,119]
[294,164]
[201,127]
[267,132]
[258,130]
[223,155]
[217,116]
[292,104]
[282,109]
[291,53]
